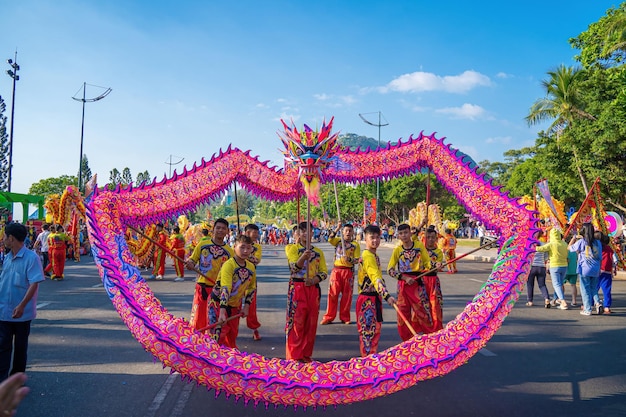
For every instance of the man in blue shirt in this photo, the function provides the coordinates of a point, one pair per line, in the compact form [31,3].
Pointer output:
[19,281]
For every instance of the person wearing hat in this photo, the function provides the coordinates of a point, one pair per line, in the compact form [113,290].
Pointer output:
[19,282]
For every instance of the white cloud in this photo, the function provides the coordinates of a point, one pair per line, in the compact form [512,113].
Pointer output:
[262,106]
[499,139]
[288,118]
[426,81]
[335,101]
[504,75]
[466,111]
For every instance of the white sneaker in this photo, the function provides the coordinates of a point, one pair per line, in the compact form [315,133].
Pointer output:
[179,279]
[159,277]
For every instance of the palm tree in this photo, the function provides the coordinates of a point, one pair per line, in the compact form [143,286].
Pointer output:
[563,105]
[616,33]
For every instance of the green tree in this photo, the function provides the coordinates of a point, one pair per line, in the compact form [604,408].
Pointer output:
[86,172]
[603,44]
[50,186]
[115,178]
[562,104]
[127,177]
[143,177]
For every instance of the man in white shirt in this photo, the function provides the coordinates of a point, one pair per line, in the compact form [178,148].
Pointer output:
[41,246]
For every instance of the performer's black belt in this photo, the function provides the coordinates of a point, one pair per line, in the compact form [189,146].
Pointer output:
[298,279]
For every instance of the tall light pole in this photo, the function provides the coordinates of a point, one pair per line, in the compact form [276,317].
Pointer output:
[13,74]
[82,124]
[379,125]
[170,163]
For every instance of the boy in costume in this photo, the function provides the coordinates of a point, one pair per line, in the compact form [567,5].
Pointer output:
[159,253]
[57,250]
[408,260]
[372,289]
[307,269]
[342,275]
[235,284]
[252,231]
[210,254]
[434,300]
[449,250]
[177,243]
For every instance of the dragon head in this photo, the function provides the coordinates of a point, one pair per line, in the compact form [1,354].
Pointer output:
[311,151]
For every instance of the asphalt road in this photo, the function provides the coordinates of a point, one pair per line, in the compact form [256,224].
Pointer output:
[83,361]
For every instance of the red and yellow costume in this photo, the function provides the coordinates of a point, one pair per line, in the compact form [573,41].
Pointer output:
[449,250]
[341,280]
[159,254]
[252,321]
[303,302]
[369,309]
[411,298]
[57,251]
[210,257]
[235,283]
[177,244]
[434,300]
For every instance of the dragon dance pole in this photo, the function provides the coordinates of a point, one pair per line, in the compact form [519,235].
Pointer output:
[403,317]
[308,234]
[343,244]
[172,254]
[236,208]
[455,259]
[214,325]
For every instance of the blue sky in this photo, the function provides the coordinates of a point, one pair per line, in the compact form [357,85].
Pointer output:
[191,77]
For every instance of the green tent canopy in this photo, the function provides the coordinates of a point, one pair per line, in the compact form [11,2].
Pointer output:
[7,200]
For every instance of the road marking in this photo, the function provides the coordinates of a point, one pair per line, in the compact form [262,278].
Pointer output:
[97,285]
[160,396]
[179,407]
[42,305]
[486,352]
[477,280]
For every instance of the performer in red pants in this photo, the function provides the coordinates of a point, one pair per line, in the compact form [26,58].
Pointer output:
[432,283]
[342,275]
[177,243]
[307,269]
[210,254]
[159,253]
[252,321]
[57,251]
[408,260]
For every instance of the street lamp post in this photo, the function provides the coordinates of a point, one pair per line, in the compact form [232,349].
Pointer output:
[13,74]
[82,125]
[379,125]
[170,163]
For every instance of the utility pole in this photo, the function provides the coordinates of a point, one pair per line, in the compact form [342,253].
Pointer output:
[170,163]
[13,74]
[379,125]
[82,125]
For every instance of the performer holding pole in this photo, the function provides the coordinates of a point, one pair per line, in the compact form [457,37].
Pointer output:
[209,255]
[372,289]
[307,267]
[347,254]
[407,260]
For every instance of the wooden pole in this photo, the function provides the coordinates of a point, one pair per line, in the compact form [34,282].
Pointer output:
[405,320]
[214,325]
[343,244]
[237,208]
[453,260]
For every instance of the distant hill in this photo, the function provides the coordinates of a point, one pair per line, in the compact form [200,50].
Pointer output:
[354,142]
